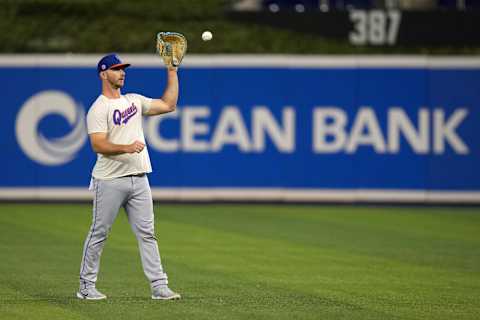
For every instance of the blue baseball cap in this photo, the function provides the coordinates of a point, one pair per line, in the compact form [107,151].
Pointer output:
[111,61]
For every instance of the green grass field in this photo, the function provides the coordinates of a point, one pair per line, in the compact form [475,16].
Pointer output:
[255,262]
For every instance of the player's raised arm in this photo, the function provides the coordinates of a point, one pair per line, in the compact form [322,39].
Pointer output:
[171,46]
[168,102]
[100,144]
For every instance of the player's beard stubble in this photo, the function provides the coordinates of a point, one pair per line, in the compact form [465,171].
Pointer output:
[116,79]
[118,84]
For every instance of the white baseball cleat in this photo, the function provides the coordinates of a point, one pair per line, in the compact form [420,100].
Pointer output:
[90,294]
[164,293]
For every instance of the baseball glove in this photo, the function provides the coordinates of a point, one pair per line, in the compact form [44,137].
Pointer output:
[171,46]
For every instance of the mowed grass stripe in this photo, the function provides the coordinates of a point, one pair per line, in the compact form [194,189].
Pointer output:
[362,271]
[45,234]
[254,296]
[229,264]
[395,233]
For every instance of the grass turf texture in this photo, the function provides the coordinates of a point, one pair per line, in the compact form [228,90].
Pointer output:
[238,262]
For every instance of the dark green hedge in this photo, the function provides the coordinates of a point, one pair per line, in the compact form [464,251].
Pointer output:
[81,26]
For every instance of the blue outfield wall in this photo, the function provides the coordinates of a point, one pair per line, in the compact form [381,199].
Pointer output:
[410,128]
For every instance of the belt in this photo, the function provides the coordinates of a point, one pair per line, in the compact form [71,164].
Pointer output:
[135,175]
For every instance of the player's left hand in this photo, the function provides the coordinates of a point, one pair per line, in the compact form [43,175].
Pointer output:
[171,46]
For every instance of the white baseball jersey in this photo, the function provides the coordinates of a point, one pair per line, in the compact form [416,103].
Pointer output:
[121,119]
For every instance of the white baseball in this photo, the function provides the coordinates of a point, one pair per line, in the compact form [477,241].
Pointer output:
[207,35]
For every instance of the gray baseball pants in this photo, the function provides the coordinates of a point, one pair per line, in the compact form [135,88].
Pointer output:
[134,194]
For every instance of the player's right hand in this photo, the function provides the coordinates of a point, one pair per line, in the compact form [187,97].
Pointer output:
[137,147]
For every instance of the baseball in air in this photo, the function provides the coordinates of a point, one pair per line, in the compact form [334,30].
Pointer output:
[207,36]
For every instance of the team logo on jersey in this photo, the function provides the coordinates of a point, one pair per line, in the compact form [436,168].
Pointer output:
[50,151]
[120,117]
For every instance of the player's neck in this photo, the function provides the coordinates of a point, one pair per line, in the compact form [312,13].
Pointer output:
[111,93]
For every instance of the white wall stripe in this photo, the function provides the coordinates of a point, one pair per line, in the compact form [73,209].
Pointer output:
[235,60]
[259,195]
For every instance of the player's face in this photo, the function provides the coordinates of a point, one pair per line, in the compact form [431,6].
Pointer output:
[115,77]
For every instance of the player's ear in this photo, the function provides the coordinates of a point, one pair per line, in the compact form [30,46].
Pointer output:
[103,75]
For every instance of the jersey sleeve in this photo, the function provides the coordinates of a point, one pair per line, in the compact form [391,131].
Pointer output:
[97,119]
[144,101]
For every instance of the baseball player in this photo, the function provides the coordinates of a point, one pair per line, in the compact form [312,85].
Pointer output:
[119,178]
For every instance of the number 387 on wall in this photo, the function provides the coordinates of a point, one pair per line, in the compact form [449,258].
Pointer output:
[375,27]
